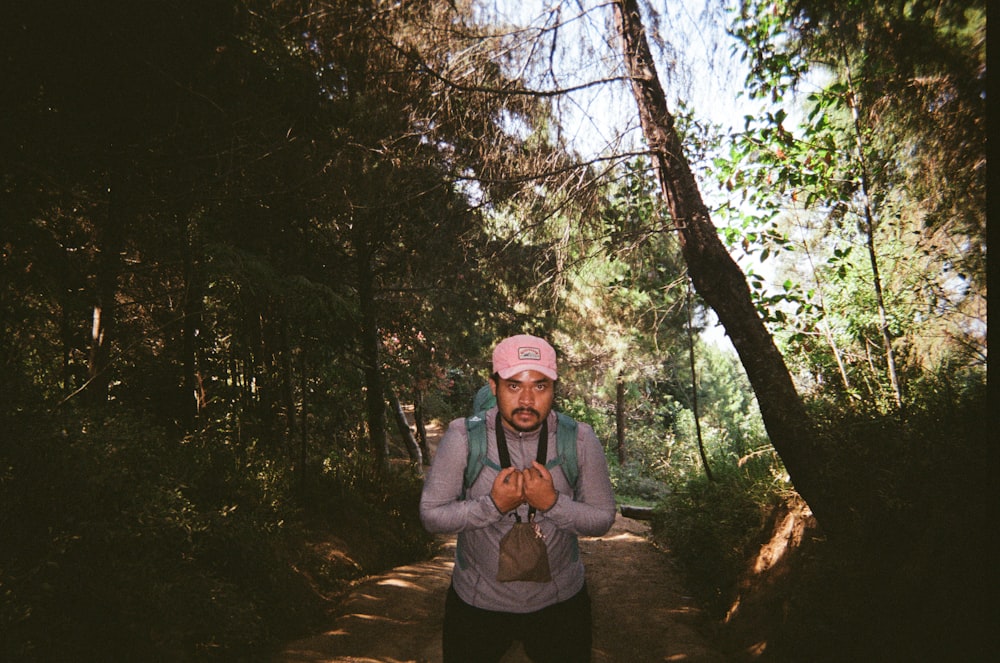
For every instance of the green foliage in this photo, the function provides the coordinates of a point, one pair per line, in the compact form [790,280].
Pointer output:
[853,177]
[452,397]
[349,498]
[661,441]
[124,542]
[224,228]
[714,527]
[638,483]
[907,470]
[914,490]
[917,489]
[262,207]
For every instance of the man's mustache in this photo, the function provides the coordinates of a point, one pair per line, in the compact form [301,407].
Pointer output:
[527,410]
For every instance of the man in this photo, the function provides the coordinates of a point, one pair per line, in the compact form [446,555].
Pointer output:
[483,614]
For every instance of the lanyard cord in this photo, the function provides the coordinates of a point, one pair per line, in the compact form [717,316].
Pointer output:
[504,453]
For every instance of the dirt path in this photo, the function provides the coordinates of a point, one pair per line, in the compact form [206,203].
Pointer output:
[640,611]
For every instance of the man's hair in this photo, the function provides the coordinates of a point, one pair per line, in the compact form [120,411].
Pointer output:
[496,378]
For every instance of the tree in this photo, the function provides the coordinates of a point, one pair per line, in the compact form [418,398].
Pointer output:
[901,113]
[716,276]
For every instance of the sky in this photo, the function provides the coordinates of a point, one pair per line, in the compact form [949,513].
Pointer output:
[696,63]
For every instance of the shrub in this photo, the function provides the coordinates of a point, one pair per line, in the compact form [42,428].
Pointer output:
[713,527]
[122,542]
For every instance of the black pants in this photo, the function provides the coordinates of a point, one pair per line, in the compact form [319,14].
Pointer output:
[560,633]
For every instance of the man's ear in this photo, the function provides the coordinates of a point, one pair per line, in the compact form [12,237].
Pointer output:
[493,385]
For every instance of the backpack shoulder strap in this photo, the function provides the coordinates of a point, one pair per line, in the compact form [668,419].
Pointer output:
[566,447]
[475,425]
[566,431]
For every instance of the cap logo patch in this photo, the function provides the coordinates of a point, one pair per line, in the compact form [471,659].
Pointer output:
[530,354]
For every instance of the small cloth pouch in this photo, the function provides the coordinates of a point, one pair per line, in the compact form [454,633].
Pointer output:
[523,555]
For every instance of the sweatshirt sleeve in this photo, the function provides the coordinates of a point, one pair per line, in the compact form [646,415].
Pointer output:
[591,512]
[442,509]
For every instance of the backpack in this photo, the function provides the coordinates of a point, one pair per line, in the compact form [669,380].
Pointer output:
[565,449]
[484,399]
[475,424]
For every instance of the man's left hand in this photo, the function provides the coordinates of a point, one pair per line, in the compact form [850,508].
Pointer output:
[539,490]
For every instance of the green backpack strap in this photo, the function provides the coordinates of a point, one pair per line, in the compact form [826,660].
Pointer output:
[566,448]
[566,430]
[566,458]
[483,400]
[476,427]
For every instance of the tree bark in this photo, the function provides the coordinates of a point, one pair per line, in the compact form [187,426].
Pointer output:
[374,399]
[286,358]
[869,217]
[300,466]
[695,410]
[716,276]
[404,430]
[194,397]
[111,243]
[418,421]
[620,417]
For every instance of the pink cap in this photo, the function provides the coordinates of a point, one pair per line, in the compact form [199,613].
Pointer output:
[524,353]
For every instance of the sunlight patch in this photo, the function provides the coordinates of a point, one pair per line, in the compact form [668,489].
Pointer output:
[398,582]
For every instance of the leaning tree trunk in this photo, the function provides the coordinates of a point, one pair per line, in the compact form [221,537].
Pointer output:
[716,276]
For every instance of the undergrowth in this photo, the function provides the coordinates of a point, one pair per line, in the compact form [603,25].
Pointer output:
[713,527]
[123,542]
[906,581]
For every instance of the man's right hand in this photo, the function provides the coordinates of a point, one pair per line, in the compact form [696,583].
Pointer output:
[508,490]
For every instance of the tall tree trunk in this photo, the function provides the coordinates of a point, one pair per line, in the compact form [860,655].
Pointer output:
[620,417]
[67,329]
[825,328]
[403,425]
[418,421]
[263,388]
[716,276]
[869,216]
[194,397]
[300,466]
[374,399]
[288,388]
[695,410]
[111,243]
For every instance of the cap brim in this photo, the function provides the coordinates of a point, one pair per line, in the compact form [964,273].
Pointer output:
[511,371]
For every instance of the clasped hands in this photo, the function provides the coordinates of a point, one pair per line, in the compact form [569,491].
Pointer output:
[533,486]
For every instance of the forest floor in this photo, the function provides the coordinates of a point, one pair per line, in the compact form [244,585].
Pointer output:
[641,610]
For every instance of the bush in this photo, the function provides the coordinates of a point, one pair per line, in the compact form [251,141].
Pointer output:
[917,558]
[348,496]
[122,543]
[908,580]
[634,483]
[714,527]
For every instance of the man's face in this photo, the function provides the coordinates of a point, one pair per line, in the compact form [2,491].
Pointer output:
[524,400]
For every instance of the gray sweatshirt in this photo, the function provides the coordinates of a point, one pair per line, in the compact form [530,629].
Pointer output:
[480,526]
